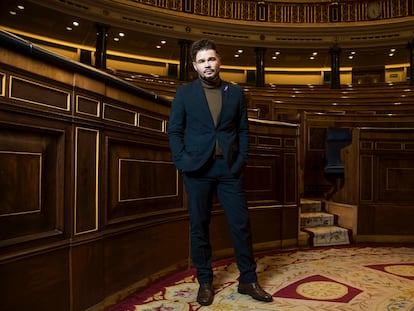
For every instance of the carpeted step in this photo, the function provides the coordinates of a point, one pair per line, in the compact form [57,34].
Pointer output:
[316,219]
[310,206]
[328,235]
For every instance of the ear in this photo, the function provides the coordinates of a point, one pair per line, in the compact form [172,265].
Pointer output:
[194,66]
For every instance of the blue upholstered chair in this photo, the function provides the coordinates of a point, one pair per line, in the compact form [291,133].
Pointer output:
[336,139]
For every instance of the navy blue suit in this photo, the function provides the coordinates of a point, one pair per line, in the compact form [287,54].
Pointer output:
[192,135]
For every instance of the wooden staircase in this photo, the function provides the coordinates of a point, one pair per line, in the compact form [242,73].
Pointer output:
[320,228]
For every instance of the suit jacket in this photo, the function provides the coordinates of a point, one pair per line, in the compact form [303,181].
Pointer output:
[192,133]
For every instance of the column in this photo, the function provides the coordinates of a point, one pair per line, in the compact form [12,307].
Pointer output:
[184,59]
[335,68]
[100,52]
[260,66]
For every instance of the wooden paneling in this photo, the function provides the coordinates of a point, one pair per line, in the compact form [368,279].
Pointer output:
[268,227]
[21,171]
[290,178]
[134,258]
[91,205]
[40,282]
[86,180]
[39,94]
[2,84]
[272,183]
[386,164]
[271,174]
[151,123]
[312,135]
[393,220]
[263,179]
[119,114]
[87,106]
[87,265]
[396,178]
[31,201]
[366,178]
[383,169]
[137,173]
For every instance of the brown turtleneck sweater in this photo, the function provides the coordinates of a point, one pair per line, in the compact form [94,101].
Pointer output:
[213,96]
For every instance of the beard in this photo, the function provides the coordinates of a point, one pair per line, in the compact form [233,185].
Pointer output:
[211,77]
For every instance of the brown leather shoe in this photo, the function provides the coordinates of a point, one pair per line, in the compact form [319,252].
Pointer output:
[205,294]
[255,291]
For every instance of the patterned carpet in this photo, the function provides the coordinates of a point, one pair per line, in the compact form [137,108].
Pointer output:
[343,278]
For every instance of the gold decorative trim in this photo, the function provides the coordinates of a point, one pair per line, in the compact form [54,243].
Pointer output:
[96,180]
[268,140]
[3,84]
[134,114]
[290,142]
[385,145]
[40,183]
[287,174]
[12,78]
[370,160]
[367,145]
[97,114]
[162,123]
[146,198]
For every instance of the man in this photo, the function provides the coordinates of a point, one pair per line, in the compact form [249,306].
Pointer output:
[208,133]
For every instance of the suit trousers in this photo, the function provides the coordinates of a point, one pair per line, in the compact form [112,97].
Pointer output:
[215,177]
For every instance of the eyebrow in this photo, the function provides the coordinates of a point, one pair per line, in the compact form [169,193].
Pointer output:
[201,60]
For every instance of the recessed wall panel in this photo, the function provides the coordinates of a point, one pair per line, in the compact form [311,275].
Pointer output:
[39,94]
[87,106]
[31,183]
[396,180]
[20,183]
[366,178]
[141,180]
[2,84]
[86,180]
[263,178]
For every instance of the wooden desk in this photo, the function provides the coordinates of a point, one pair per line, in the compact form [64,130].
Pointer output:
[379,181]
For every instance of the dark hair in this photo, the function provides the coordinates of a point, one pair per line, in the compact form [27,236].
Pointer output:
[203,44]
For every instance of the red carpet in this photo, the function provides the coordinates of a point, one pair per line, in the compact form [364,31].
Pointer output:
[324,279]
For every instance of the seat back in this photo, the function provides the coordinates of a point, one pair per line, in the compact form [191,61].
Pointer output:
[336,139]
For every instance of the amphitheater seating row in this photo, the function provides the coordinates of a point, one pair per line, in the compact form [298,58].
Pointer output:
[287,102]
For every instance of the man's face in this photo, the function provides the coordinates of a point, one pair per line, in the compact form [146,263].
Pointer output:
[207,64]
